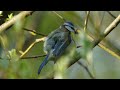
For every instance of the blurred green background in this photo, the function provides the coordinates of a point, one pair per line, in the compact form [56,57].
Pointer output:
[15,39]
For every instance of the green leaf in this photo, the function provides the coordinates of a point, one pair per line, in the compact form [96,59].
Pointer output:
[9,17]
[86,49]
[13,55]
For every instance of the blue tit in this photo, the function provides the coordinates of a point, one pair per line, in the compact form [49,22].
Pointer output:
[57,42]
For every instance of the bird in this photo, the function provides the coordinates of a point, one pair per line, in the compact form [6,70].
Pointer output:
[56,42]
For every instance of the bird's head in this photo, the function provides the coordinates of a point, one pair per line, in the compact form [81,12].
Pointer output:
[70,27]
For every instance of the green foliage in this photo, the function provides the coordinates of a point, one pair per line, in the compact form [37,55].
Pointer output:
[9,17]
[13,55]
[86,48]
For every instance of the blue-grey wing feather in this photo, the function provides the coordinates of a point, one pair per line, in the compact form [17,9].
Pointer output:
[61,46]
[43,63]
[64,46]
[56,48]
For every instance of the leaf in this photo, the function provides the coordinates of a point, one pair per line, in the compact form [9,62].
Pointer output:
[9,17]
[86,49]
[13,55]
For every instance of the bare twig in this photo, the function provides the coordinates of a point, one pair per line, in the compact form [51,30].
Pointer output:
[12,21]
[59,16]
[31,57]
[33,31]
[86,20]
[36,41]
[101,20]
[112,26]
[86,68]
[115,54]
[111,14]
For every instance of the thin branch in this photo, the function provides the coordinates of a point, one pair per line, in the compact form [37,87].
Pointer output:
[59,16]
[31,57]
[115,54]
[33,31]
[36,41]
[12,21]
[101,20]
[27,49]
[111,14]
[112,26]
[86,20]
[86,68]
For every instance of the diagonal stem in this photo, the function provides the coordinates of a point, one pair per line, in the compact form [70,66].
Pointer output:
[111,14]
[86,20]
[12,21]
[31,57]
[87,70]
[36,41]
[33,31]
[59,16]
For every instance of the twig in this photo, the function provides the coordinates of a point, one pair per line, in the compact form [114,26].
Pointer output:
[86,20]
[12,21]
[111,14]
[59,16]
[31,57]
[33,31]
[86,68]
[105,48]
[36,41]
[101,20]
[112,26]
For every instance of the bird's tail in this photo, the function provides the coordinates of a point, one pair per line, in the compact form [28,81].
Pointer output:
[43,63]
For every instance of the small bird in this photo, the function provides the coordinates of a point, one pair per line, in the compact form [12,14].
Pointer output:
[57,42]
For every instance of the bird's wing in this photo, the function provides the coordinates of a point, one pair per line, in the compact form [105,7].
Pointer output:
[51,41]
[61,46]
[56,47]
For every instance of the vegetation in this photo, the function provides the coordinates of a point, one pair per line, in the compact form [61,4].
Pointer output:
[96,54]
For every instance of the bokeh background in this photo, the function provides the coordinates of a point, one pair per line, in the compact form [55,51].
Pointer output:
[14,39]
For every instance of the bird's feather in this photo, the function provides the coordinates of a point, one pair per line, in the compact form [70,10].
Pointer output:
[61,46]
[43,63]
